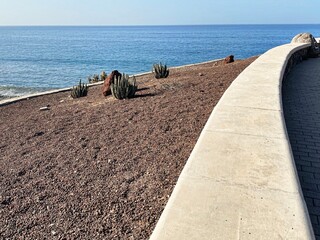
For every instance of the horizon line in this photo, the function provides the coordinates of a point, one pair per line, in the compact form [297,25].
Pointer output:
[155,25]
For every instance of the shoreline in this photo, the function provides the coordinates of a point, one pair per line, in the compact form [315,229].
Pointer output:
[6,101]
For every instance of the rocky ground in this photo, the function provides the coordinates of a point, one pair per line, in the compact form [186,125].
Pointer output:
[100,168]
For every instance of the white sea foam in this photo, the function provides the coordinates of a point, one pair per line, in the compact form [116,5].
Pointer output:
[11,91]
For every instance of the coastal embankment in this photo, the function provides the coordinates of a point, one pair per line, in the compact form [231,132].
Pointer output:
[100,168]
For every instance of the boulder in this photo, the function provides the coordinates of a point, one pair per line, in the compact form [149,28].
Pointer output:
[314,50]
[106,88]
[229,59]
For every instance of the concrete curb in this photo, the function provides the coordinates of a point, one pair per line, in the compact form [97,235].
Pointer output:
[240,181]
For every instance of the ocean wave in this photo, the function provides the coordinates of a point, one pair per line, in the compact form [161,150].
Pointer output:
[14,91]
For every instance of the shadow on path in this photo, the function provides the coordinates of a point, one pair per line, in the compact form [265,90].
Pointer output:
[301,105]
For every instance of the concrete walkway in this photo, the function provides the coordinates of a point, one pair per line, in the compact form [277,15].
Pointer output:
[240,181]
[301,104]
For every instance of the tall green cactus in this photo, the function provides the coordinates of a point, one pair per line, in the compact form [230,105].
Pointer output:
[123,87]
[80,90]
[160,71]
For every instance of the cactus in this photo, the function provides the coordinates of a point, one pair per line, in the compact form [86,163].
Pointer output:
[94,78]
[97,78]
[103,76]
[80,90]
[123,87]
[160,71]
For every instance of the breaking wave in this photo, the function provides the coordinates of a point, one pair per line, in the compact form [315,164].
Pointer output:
[13,91]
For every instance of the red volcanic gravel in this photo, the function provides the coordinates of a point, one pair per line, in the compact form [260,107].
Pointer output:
[100,168]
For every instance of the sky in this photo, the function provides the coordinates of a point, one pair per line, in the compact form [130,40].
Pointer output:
[164,12]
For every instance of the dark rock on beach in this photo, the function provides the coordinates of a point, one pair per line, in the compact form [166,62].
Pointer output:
[229,59]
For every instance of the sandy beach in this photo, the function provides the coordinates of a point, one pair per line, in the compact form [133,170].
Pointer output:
[100,168]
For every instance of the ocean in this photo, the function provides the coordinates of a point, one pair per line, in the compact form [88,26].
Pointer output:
[35,59]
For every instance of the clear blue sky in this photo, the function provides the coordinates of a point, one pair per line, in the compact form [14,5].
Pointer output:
[163,12]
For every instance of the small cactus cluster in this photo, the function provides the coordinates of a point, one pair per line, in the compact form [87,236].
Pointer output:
[103,75]
[81,90]
[97,78]
[123,87]
[160,71]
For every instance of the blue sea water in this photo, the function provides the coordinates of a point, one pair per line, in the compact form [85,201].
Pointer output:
[35,59]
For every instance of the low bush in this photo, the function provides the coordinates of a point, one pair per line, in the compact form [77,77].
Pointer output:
[97,78]
[81,90]
[160,71]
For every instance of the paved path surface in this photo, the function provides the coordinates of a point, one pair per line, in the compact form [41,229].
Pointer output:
[301,103]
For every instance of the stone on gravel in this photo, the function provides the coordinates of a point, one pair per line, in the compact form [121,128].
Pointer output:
[229,59]
[106,88]
[44,108]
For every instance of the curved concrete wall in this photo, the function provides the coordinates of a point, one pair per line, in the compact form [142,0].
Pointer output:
[240,181]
